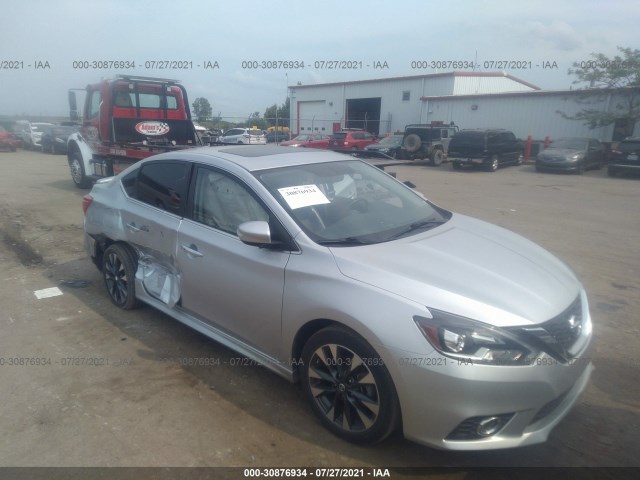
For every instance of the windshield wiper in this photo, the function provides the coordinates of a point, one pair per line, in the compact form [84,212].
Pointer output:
[419,226]
[344,241]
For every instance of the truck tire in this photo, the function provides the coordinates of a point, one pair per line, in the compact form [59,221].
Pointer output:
[436,158]
[412,143]
[76,165]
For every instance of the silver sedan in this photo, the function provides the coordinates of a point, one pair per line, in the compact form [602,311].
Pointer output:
[390,311]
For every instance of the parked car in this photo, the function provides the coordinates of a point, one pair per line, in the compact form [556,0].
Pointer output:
[243,136]
[389,310]
[31,134]
[428,141]
[390,145]
[277,136]
[309,140]
[574,154]
[488,148]
[351,140]
[54,138]
[7,140]
[210,136]
[625,158]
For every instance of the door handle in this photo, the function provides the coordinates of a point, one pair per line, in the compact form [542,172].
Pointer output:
[191,250]
[132,226]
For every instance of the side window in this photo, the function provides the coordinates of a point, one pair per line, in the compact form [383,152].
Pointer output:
[444,134]
[492,139]
[164,185]
[94,105]
[129,183]
[222,202]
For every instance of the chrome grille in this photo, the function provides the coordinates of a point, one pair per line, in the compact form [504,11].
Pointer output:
[558,335]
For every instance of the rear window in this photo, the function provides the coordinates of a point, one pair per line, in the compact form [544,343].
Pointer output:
[255,133]
[629,147]
[468,138]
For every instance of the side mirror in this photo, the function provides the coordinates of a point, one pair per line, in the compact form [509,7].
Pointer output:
[256,233]
[73,107]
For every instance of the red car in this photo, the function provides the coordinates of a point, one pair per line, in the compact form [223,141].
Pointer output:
[351,140]
[7,140]
[309,140]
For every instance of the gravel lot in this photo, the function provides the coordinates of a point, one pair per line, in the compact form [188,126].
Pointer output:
[141,404]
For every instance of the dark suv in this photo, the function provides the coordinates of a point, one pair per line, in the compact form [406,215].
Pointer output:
[489,148]
[625,158]
[427,141]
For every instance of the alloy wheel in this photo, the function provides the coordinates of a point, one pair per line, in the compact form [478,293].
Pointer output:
[344,388]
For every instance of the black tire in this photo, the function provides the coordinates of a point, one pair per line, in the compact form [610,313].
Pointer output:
[437,157]
[412,143]
[76,166]
[493,164]
[119,265]
[357,412]
[456,165]
[611,172]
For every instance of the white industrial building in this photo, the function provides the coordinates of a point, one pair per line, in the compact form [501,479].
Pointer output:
[469,99]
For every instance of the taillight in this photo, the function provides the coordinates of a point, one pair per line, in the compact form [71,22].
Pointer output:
[86,202]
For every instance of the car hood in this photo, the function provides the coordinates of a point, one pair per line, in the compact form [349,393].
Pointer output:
[559,153]
[379,147]
[470,268]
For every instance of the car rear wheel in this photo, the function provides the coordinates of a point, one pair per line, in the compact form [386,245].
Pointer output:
[119,270]
[348,386]
[436,158]
[492,166]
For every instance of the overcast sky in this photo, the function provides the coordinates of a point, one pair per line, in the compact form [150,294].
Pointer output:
[195,32]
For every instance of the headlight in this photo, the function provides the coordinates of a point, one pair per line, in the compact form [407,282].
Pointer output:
[468,340]
[576,156]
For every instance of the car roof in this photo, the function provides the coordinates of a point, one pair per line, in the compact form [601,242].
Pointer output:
[258,157]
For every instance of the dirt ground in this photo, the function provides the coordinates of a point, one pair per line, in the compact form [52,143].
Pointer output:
[138,402]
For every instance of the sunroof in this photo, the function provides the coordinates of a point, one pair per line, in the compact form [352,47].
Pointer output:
[258,150]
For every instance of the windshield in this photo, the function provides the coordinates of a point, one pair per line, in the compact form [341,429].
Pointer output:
[392,140]
[570,143]
[350,203]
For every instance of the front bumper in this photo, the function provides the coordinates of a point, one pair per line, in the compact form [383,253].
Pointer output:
[624,167]
[558,166]
[438,394]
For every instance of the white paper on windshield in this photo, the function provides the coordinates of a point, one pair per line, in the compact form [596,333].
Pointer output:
[303,196]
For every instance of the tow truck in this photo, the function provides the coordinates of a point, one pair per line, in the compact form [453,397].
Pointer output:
[126,119]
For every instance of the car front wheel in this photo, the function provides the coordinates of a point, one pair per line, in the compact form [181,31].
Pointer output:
[119,271]
[348,386]
[77,170]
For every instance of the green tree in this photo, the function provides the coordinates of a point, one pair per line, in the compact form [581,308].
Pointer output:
[601,74]
[280,113]
[201,109]
[255,120]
